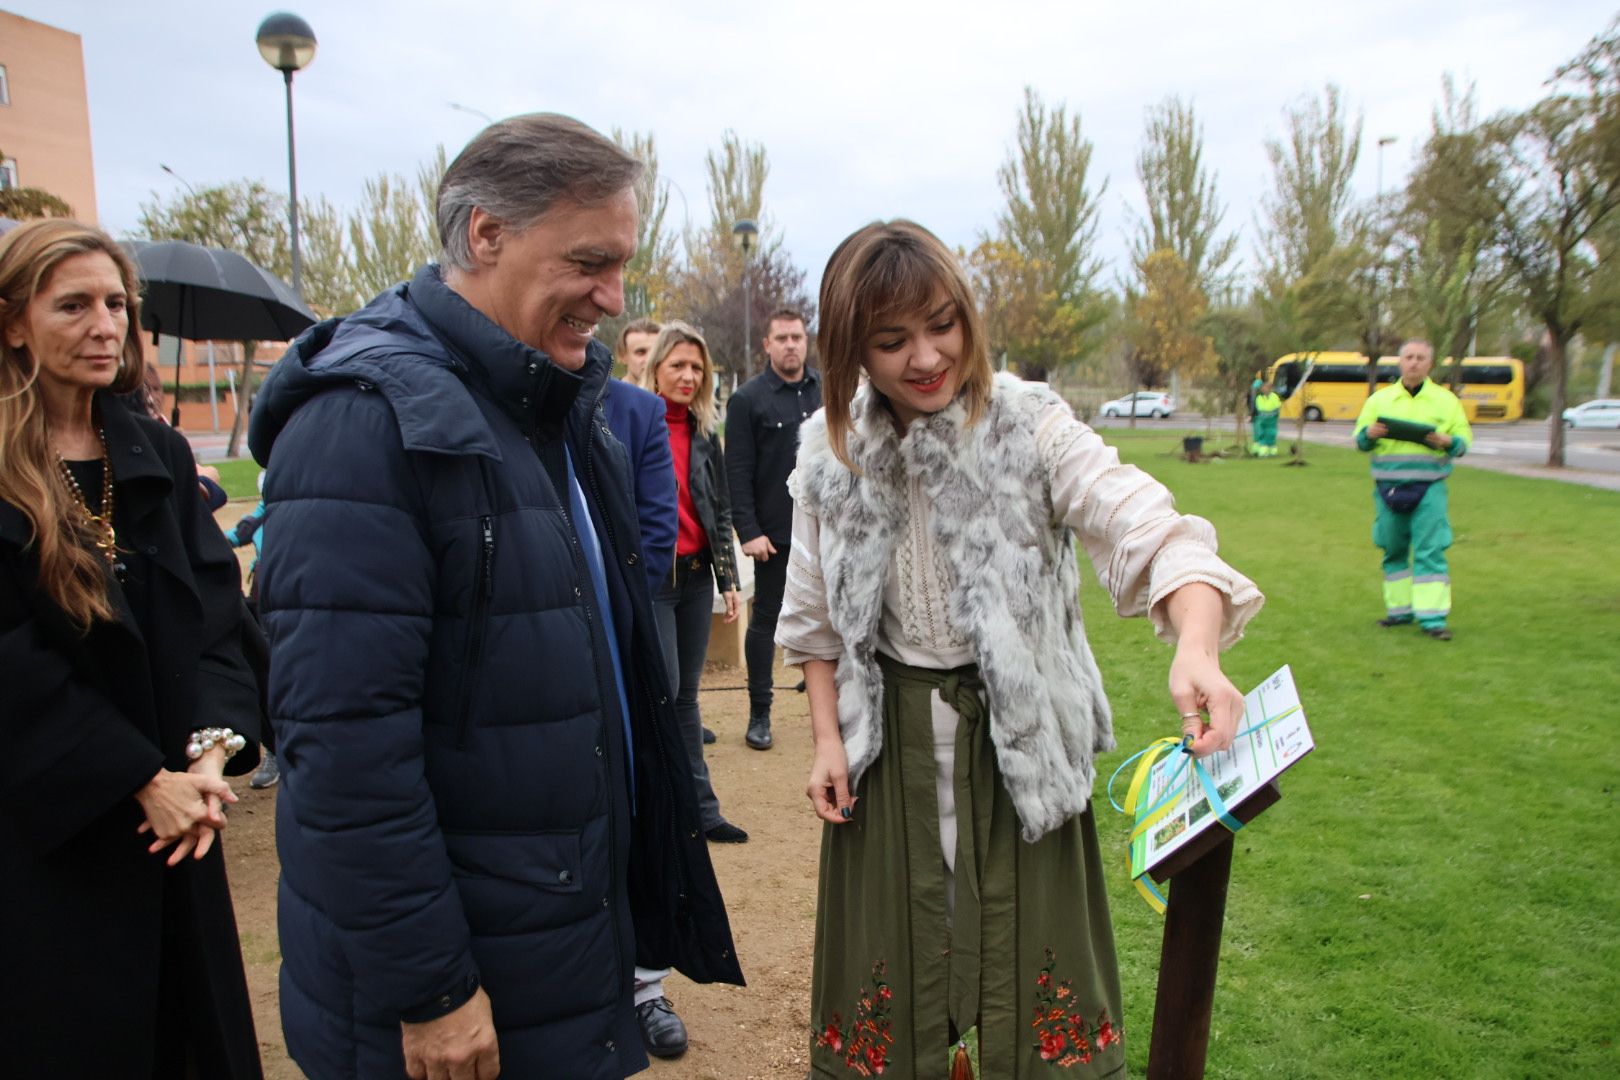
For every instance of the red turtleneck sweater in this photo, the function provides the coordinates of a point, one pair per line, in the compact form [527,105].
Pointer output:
[689,535]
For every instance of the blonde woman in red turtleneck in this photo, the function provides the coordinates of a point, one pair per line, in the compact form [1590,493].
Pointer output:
[681,372]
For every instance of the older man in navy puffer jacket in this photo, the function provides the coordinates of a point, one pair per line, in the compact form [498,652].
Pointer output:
[482,813]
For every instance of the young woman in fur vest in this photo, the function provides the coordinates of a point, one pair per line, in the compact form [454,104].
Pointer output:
[932,600]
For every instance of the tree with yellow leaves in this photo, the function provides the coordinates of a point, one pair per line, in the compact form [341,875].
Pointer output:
[1163,323]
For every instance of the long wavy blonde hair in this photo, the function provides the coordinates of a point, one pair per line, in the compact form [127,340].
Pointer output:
[71,574]
[676,333]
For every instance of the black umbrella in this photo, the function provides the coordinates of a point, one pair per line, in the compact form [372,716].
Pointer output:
[210,294]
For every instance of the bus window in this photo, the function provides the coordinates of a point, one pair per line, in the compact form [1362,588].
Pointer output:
[1286,379]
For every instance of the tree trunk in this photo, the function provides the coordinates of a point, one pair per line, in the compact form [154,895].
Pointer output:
[1457,349]
[1555,417]
[1606,372]
[244,396]
[1298,449]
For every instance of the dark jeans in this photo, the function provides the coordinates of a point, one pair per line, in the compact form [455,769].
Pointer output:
[682,608]
[759,645]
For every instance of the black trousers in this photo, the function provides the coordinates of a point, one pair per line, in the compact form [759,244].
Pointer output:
[681,609]
[759,644]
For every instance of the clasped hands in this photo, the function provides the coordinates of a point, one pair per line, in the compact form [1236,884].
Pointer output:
[186,809]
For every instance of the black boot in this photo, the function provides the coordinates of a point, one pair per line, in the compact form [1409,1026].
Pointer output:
[759,731]
[662,1032]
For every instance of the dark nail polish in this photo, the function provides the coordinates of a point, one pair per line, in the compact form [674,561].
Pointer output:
[847,812]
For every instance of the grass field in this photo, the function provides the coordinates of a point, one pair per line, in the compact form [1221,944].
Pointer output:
[239,477]
[1437,893]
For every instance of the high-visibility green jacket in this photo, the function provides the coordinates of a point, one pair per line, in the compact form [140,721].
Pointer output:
[1268,403]
[1400,461]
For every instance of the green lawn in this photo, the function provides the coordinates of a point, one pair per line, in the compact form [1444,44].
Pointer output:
[1436,895]
[239,477]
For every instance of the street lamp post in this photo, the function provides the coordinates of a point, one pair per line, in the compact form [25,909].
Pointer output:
[180,345]
[1383,141]
[288,44]
[747,234]
[1376,336]
[180,178]
[480,113]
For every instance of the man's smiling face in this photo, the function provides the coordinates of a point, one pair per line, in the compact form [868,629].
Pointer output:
[549,284]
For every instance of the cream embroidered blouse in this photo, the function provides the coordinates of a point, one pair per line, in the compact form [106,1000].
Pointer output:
[1141,548]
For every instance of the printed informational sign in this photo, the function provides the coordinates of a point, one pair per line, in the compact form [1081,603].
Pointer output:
[1176,805]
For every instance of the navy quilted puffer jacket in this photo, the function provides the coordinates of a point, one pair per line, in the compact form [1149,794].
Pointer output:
[455,806]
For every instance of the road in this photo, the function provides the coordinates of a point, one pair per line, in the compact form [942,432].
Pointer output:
[1590,457]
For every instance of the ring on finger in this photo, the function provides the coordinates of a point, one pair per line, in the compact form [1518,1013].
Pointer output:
[1192,716]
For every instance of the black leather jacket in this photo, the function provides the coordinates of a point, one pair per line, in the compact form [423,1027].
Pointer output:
[712,497]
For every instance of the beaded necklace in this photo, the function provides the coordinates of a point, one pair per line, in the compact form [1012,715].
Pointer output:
[101,525]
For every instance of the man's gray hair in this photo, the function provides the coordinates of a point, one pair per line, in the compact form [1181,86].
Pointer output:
[519,168]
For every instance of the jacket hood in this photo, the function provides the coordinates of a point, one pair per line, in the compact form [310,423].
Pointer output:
[421,346]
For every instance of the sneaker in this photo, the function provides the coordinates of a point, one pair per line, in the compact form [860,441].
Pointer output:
[267,774]
[759,732]
[709,737]
[726,833]
[1439,633]
[1395,620]
[662,1032]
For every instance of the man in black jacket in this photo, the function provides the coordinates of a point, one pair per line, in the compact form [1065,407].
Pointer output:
[762,438]
[478,831]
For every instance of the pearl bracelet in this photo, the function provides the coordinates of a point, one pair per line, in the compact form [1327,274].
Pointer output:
[205,739]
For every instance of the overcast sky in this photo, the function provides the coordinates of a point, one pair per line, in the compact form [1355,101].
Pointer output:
[868,109]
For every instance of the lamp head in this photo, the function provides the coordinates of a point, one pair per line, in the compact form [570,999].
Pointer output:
[286,42]
[746,233]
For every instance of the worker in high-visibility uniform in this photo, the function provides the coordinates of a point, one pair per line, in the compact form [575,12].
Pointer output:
[1267,404]
[1409,490]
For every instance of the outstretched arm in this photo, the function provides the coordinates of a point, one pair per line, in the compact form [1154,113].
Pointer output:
[1209,705]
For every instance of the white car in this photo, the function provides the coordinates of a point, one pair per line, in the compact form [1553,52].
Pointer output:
[1154,403]
[1602,413]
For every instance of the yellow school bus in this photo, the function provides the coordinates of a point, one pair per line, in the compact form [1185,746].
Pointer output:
[1492,387]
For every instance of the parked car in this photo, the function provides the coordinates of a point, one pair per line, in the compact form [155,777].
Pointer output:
[1602,413]
[1143,403]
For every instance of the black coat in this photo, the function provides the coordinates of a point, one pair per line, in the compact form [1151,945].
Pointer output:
[85,722]
[762,445]
[454,807]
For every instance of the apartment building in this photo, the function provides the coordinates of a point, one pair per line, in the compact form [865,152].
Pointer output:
[45,113]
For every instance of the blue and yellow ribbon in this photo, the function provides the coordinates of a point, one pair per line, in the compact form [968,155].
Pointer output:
[1149,816]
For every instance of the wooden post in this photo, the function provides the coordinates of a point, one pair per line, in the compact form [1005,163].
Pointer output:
[1193,918]
[1187,963]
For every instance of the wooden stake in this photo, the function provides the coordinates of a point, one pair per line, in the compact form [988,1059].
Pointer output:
[1193,918]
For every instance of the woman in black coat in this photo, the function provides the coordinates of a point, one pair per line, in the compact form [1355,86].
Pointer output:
[681,373]
[126,696]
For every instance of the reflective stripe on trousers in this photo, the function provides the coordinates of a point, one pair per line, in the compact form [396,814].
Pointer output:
[1417,579]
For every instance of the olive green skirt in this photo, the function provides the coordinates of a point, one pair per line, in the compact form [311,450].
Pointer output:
[1027,958]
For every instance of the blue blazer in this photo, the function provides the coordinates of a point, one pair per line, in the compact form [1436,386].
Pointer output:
[636,418]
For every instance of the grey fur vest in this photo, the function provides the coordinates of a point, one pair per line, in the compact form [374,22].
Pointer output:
[1016,592]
